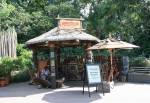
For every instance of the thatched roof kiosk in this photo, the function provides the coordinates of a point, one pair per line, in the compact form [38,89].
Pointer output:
[61,38]
[68,33]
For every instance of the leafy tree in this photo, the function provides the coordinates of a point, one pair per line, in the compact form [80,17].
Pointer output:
[125,18]
[5,9]
[34,17]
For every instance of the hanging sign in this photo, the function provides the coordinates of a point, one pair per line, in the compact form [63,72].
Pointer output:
[70,24]
[93,73]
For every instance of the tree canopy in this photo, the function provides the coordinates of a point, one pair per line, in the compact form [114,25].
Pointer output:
[125,19]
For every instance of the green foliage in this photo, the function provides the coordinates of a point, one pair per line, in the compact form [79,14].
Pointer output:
[64,9]
[140,62]
[111,16]
[71,52]
[43,55]
[22,64]
[102,53]
[22,76]
[5,9]
[128,18]
[6,66]
[32,18]
[24,58]
[125,18]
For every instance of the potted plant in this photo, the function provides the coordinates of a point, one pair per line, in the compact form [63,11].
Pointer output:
[4,80]
[5,70]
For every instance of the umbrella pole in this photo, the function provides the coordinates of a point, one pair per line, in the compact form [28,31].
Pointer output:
[111,66]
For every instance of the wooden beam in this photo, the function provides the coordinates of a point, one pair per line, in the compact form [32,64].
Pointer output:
[51,44]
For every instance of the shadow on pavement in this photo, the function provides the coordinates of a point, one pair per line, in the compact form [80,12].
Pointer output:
[71,96]
[119,83]
[21,90]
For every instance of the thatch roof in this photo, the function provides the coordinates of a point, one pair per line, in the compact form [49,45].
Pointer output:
[62,35]
[111,43]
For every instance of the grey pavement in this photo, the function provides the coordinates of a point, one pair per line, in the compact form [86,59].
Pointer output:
[122,93]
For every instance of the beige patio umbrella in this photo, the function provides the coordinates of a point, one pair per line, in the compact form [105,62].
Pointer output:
[110,44]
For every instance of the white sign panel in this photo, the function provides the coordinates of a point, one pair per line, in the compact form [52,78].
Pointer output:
[93,73]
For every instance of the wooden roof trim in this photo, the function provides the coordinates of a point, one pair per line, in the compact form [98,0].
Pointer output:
[59,18]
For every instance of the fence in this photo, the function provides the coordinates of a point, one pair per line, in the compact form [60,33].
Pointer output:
[8,42]
[139,74]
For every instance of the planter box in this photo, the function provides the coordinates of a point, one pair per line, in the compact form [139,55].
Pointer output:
[4,82]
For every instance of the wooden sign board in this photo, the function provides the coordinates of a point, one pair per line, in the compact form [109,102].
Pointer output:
[93,73]
[70,24]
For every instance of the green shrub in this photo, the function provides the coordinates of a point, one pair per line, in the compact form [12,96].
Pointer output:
[6,66]
[22,64]
[24,57]
[140,62]
[21,76]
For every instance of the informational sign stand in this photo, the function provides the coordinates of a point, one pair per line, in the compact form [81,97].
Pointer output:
[92,77]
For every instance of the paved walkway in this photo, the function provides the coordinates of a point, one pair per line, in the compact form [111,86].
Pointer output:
[122,93]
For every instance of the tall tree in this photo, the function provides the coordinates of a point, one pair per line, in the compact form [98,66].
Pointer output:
[34,17]
[124,18]
[128,19]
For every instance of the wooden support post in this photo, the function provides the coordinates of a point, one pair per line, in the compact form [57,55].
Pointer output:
[57,62]
[35,60]
[53,67]
[89,54]
[111,66]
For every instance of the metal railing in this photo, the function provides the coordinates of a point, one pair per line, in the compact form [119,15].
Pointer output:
[139,69]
